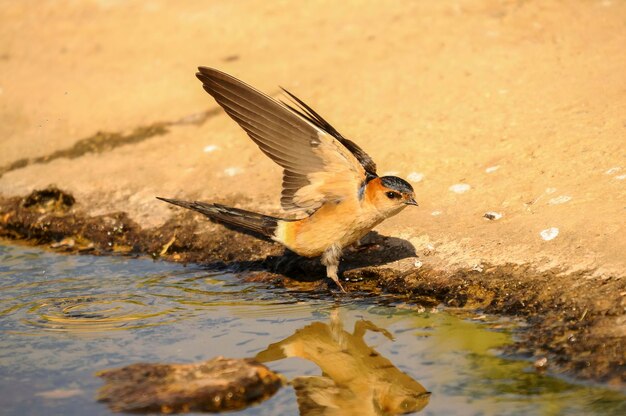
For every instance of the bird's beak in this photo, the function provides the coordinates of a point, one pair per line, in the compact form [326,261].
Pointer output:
[410,201]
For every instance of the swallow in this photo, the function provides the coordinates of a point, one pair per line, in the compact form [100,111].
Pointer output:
[329,183]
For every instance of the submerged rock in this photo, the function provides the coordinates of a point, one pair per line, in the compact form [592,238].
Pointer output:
[217,385]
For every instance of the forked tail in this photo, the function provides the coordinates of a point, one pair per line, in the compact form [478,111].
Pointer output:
[259,225]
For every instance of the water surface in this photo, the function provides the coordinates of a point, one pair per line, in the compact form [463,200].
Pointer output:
[63,318]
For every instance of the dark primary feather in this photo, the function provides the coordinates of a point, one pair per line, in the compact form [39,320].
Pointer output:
[312,116]
[258,225]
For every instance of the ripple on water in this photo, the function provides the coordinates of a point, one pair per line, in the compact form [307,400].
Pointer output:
[67,296]
[82,305]
[95,313]
[37,298]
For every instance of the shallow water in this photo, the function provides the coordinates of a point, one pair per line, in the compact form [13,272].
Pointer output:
[63,318]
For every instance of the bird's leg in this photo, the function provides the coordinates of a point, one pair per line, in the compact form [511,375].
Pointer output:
[330,259]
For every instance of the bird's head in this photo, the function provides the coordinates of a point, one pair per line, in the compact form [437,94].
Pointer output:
[390,194]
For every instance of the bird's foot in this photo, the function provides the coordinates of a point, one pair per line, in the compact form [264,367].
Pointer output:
[330,259]
[338,283]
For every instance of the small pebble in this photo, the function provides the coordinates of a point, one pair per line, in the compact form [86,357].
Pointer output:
[417,264]
[492,215]
[620,177]
[541,363]
[613,170]
[415,177]
[549,233]
[66,242]
[550,190]
[435,213]
[460,188]
[492,169]
[232,171]
[560,200]
[210,148]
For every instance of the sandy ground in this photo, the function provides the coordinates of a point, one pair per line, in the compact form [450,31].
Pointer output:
[511,107]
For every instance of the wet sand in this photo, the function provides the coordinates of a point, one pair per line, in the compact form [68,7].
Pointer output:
[509,108]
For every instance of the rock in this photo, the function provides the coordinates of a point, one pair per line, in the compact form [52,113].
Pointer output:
[220,384]
[492,215]
[541,363]
[67,242]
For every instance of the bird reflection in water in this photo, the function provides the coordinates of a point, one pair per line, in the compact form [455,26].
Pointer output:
[355,380]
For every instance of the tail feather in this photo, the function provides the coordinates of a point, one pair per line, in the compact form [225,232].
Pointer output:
[259,225]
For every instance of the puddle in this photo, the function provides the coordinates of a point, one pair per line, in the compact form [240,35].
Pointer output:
[63,318]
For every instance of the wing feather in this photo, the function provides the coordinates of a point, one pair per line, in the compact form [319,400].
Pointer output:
[319,164]
[270,137]
[312,116]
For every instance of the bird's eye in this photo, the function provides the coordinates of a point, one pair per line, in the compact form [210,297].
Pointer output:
[392,195]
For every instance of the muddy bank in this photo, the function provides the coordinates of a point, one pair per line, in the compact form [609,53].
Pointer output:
[575,321]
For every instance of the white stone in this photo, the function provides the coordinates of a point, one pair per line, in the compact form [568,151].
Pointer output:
[549,233]
[415,177]
[460,188]
[232,171]
[210,148]
[492,169]
[560,200]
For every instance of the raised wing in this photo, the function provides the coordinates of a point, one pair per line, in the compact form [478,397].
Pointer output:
[318,165]
[311,115]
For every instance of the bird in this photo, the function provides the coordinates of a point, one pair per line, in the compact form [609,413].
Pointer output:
[329,184]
